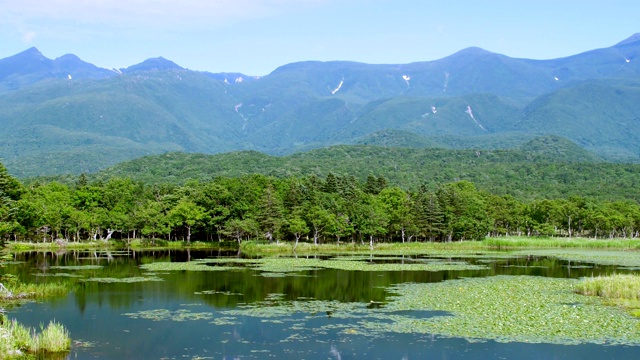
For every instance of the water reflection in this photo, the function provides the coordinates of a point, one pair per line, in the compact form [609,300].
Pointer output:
[185,312]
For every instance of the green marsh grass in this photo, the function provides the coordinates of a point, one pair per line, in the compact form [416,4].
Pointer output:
[15,290]
[488,244]
[52,339]
[137,244]
[543,242]
[617,289]
[258,248]
[16,339]
[87,245]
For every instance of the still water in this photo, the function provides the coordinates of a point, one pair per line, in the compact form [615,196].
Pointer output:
[190,314]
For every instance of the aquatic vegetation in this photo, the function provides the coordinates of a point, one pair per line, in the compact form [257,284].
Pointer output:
[618,286]
[501,308]
[276,307]
[273,274]
[282,266]
[536,242]
[78,267]
[21,291]
[168,315]
[256,248]
[488,246]
[133,279]
[215,292]
[54,338]
[16,339]
[225,320]
[617,289]
[601,257]
[55,245]
[512,308]
[58,275]
[198,265]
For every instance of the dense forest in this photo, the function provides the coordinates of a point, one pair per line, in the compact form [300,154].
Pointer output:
[330,209]
[545,167]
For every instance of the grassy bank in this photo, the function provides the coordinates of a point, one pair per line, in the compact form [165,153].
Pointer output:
[542,242]
[260,247]
[135,244]
[16,339]
[255,247]
[617,289]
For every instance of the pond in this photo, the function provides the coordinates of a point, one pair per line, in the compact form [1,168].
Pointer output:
[222,305]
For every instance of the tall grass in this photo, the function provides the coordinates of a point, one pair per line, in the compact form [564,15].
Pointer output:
[87,245]
[617,289]
[15,290]
[254,247]
[617,286]
[54,338]
[15,339]
[514,242]
[535,242]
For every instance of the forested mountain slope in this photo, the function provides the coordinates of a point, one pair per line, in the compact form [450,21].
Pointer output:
[65,115]
[546,167]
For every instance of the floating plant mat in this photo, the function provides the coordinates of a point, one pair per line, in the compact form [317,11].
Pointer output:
[134,279]
[501,308]
[216,292]
[600,257]
[196,265]
[69,275]
[164,315]
[78,267]
[282,265]
[512,308]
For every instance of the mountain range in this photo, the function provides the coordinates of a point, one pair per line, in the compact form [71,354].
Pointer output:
[68,116]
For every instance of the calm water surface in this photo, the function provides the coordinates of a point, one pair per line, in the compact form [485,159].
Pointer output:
[184,315]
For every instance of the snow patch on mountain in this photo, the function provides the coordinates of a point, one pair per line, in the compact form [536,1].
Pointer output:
[334,91]
[470,112]
[406,79]
[237,109]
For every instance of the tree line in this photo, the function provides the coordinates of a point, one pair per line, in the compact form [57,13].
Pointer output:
[331,209]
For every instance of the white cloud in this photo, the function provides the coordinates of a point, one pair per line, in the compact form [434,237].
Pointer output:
[29,36]
[160,13]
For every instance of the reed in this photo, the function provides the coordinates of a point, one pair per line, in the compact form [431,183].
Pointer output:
[19,291]
[16,339]
[537,242]
[52,339]
[59,245]
[257,248]
[616,287]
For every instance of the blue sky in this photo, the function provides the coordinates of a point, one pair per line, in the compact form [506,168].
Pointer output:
[256,36]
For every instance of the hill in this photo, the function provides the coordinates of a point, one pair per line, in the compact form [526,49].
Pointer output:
[549,167]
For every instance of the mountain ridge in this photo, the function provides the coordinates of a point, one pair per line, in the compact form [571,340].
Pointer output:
[472,98]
